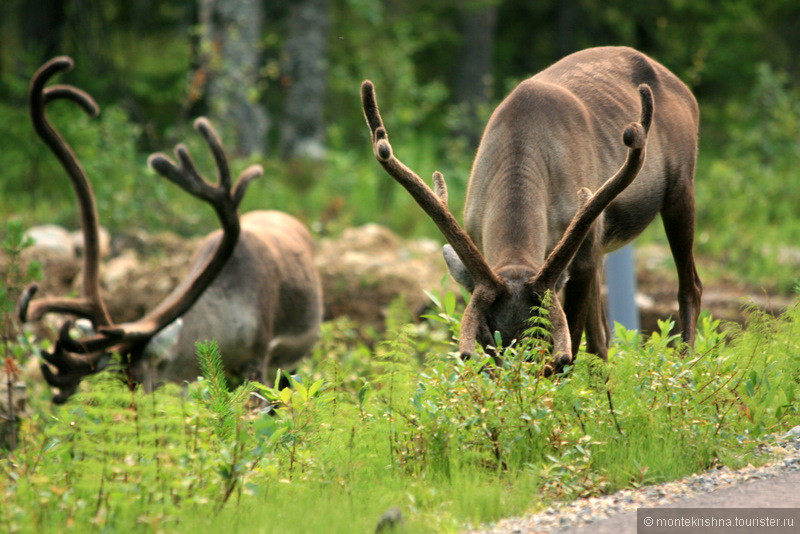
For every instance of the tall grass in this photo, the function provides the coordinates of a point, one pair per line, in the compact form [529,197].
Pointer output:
[405,424]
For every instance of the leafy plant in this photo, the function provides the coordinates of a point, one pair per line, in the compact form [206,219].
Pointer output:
[14,343]
[745,191]
[227,406]
[366,426]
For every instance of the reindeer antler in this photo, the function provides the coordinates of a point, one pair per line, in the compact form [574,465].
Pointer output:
[90,304]
[433,203]
[76,358]
[71,367]
[487,283]
[225,200]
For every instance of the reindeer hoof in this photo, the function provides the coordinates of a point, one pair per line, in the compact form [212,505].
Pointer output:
[562,360]
[556,365]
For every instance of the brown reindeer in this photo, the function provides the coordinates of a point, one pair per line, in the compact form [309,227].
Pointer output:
[532,224]
[252,286]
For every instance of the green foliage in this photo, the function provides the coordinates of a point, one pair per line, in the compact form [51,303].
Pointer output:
[227,406]
[37,189]
[747,192]
[375,421]
[360,430]
[13,278]
[14,342]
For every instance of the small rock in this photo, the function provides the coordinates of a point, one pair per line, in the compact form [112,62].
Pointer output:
[118,270]
[103,241]
[389,521]
[793,433]
[52,238]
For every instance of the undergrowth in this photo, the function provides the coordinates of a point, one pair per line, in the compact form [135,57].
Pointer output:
[401,422]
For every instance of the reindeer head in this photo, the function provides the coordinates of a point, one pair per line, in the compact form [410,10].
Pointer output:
[505,307]
[502,300]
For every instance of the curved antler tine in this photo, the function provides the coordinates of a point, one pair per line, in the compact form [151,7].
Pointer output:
[188,178]
[184,175]
[244,180]
[24,302]
[470,323]
[48,70]
[204,127]
[71,369]
[65,340]
[107,337]
[440,187]
[34,310]
[646,96]
[370,106]
[90,304]
[65,383]
[69,92]
[432,203]
[635,138]
[473,320]
[225,202]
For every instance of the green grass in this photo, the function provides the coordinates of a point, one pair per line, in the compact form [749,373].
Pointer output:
[400,422]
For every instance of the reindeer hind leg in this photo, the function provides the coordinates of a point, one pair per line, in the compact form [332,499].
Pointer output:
[678,216]
[598,330]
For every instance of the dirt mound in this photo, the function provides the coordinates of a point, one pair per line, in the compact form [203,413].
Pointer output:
[727,300]
[363,270]
[368,267]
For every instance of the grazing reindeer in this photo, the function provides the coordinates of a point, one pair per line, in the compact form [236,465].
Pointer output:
[252,286]
[532,224]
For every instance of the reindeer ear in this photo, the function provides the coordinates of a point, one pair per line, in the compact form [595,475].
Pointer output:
[457,269]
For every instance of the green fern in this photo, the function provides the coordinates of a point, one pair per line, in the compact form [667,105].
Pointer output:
[227,406]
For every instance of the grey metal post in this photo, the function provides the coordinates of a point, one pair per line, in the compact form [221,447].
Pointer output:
[621,284]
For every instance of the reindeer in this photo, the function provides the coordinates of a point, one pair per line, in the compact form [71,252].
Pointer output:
[532,225]
[252,286]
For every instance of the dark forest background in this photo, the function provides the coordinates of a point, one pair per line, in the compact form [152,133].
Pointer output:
[280,79]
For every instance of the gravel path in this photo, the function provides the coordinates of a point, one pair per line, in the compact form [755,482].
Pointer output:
[587,515]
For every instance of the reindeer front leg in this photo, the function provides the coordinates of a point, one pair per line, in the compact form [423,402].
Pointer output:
[583,301]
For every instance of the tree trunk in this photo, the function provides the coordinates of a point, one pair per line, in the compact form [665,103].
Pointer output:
[231,32]
[42,29]
[567,19]
[304,75]
[41,34]
[473,78]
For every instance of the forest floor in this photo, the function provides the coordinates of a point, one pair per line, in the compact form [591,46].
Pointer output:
[366,268]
